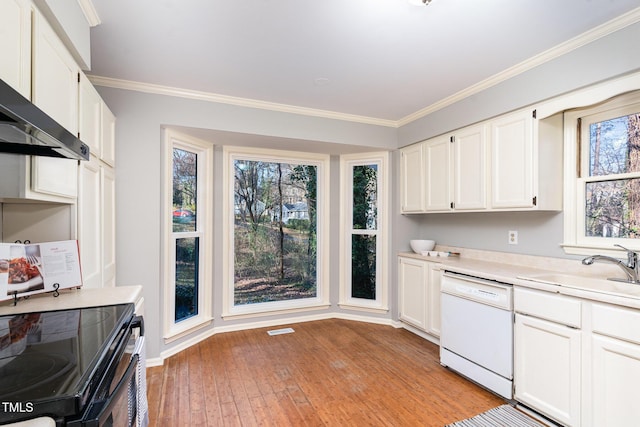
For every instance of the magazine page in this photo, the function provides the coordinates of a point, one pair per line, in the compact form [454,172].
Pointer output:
[35,268]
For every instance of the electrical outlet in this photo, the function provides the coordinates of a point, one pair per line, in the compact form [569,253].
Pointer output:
[513,237]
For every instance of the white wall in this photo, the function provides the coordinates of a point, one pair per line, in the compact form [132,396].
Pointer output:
[540,233]
[141,115]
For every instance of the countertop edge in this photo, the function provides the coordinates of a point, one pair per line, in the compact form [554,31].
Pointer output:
[510,273]
[74,298]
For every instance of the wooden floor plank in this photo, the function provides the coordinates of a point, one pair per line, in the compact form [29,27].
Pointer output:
[327,373]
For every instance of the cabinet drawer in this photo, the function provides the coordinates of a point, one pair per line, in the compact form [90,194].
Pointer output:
[617,322]
[545,305]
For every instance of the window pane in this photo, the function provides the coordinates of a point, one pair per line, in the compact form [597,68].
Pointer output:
[363,266]
[365,194]
[186,278]
[184,190]
[614,146]
[613,208]
[275,228]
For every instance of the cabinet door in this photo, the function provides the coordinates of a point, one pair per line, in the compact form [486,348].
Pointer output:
[90,115]
[15,45]
[54,76]
[412,179]
[470,168]
[615,379]
[438,174]
[433,299]
[108,209]
[547,368]
[512,161]
[412,283]
[108,153]
[89,224]
[53,176]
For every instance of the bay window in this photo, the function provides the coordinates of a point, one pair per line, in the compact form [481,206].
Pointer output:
[364,229]
[186,233]
[275,218]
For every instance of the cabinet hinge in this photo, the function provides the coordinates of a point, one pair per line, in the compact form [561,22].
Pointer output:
[452,139]
[78,77]
[452,205]
[535,114]
[535,200]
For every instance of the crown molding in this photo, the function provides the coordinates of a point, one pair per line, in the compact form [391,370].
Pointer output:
[232,100]
[590,36]
[90,12]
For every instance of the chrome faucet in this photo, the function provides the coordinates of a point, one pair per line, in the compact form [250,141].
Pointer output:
[631,268]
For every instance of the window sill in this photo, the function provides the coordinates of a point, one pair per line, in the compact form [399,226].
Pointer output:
[187,329]
[377,310]
[589,250]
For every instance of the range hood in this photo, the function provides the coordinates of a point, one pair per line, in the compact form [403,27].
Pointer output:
[25,129]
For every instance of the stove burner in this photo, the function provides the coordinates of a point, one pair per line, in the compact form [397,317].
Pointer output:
[96,316]
[34,372]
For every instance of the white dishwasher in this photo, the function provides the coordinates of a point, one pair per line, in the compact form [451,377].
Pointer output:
[476,337]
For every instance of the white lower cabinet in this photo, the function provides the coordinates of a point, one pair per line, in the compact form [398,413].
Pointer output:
[615,379]
[419,294]
[577,361]
[615,366]
[547,368]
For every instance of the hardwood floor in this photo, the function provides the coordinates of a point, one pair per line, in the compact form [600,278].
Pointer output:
[327,373]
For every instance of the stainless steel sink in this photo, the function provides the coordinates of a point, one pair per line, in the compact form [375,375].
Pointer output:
[604,286]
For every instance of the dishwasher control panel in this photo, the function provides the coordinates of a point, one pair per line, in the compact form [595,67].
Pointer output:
[478,289]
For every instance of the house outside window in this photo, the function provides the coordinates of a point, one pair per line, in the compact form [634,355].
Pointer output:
[187,235]
[274,231]
[364,225]
[604,187]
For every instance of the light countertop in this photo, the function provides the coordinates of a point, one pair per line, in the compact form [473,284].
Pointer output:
[74,298]
[570,277]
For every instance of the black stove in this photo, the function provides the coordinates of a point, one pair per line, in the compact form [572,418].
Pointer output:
[59,363]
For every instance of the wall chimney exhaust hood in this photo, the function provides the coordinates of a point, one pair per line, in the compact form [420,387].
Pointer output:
[25,129]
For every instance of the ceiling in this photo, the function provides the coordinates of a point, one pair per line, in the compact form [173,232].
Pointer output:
[379,59]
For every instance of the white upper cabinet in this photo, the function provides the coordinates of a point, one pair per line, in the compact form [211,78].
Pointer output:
[15,45]
[512,161]
[470,168]
[108,126]
[438,173]
[526,162]
[452,172]
[55,75]
[412,178]
[90,115]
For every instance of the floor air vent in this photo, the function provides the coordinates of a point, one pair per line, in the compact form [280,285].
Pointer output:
[281,331]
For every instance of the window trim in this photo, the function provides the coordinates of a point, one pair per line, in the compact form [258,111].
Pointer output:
[172,139]
[321,300]
[347,162]
[575,242]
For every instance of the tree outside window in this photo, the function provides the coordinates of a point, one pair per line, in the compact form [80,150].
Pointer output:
[275,231]
[612,187]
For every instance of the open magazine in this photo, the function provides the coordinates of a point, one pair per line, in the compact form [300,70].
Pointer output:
[27,269]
